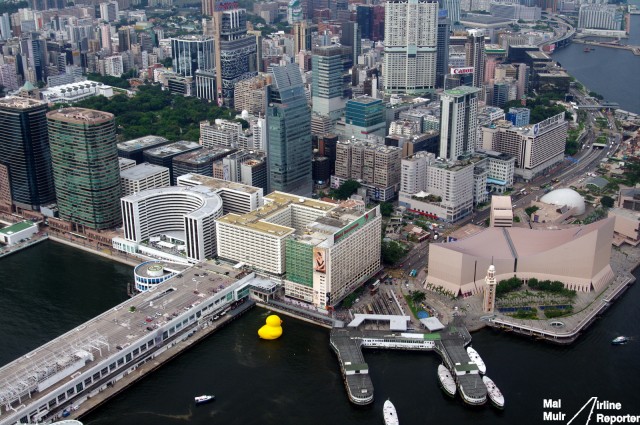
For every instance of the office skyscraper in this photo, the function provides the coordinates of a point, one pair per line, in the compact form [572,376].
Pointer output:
[289,148]
[475,55]
[236,52]
[24,149]
[85,167]
[192,52]
[410,46]
[331,80]
[351,37]
[453,9]
[458,122]
[442,53]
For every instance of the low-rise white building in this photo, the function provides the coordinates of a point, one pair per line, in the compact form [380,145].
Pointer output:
[143,177]
[17,232]
[74,92]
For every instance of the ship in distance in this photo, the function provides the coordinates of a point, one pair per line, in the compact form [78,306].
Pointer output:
[620,340]
[202,399]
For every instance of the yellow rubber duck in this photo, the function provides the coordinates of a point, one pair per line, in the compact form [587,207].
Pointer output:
[272,330]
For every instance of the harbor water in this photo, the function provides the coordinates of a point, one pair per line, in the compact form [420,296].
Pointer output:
[51,288]
[612,73]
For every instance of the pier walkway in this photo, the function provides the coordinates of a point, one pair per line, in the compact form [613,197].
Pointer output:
[58,378]
[348,343]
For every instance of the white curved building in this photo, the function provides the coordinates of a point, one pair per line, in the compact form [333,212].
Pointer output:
[565,197]
[176,218]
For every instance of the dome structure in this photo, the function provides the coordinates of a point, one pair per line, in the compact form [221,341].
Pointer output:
[565,197]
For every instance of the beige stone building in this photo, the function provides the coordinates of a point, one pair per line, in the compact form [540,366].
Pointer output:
[627,228]
[501,214]
[577,256]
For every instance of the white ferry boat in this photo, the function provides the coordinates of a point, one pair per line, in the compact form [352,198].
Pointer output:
[495,396]
[201,399]
[446,380]
[469,399]
[620,340]
[390,415]
[475,357]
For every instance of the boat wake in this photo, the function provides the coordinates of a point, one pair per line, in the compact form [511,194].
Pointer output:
[187,417]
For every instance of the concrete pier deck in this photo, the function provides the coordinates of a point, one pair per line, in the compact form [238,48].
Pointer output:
[450,344]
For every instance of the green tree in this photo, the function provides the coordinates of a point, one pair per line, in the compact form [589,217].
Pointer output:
[347,189]
[607,201]
[386,209]
[392,252]
[531,210]
[417,297]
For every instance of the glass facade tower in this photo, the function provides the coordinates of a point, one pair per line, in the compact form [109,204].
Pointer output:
[289,133]
[85,167]
[24,149]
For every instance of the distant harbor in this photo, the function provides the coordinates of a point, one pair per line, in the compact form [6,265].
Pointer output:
[235,356]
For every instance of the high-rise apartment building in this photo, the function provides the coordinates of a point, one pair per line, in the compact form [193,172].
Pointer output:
[376,167]
[192,52]
[475,55]
[24,150]
[85,167]
[600,16]
[251,95]
[410,49]
[536,147]
[289,132]
[458,122]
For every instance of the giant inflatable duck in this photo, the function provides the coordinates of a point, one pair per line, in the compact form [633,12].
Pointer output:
[272,330]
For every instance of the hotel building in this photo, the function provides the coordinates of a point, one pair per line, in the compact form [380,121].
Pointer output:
[323,251]
[177,223]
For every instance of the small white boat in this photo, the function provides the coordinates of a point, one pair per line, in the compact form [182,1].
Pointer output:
[620,340]
[446,381]
[390,415]
[201,399]
[475,357]
[496,397]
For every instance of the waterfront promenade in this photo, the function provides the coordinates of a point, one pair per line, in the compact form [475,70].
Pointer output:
[563,330]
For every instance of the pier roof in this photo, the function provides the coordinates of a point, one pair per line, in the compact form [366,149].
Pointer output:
[396,323]
[103,336]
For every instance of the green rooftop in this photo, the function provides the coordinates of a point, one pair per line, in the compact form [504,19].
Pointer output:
[469,367]
[432,337]
[18,227]
[356,366]
[461,91]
